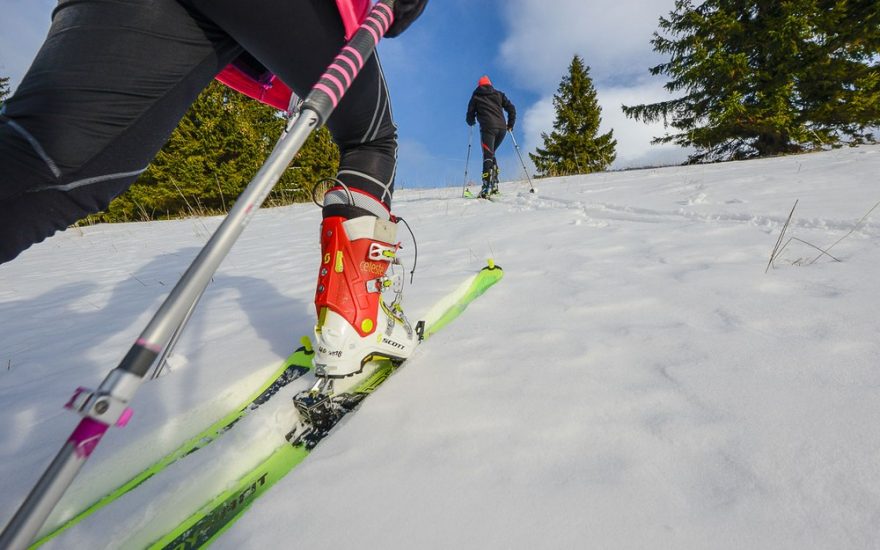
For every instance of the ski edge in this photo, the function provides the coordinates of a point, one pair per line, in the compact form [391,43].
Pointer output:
[300,358]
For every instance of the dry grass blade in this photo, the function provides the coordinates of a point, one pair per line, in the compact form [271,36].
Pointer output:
[851,231]
[781,235]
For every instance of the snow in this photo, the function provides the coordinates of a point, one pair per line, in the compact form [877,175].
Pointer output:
[636,380]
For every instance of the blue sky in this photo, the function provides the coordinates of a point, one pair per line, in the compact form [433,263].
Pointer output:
[524,46]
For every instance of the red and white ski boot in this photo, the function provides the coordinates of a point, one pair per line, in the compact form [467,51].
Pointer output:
[359,270]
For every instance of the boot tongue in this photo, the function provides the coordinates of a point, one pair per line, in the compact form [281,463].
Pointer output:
[370,227]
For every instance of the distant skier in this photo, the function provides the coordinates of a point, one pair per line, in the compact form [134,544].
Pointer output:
[486,106]
[113,79]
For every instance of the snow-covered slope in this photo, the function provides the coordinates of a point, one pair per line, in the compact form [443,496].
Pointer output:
[636,380]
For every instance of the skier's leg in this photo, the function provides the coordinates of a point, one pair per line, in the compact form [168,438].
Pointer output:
[487,143]
[499,137]
[102,96]
[297,41]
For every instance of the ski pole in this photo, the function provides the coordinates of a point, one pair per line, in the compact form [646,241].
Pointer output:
[531,187]
[108,405]
[172,342]
[467,160]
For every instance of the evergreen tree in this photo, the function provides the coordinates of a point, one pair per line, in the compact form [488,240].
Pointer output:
[217,148]
[574,146]
[764,78]
[4,88]
[840,88]
[317,160]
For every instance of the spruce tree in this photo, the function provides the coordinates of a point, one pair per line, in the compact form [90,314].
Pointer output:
[841,83]
[214,152]
[759,78]
[317,160]
[4,88]
[574,146]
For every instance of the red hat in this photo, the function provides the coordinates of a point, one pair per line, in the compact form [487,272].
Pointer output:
[484,81]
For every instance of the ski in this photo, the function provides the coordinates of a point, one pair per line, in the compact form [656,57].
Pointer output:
[296,365]
[216,516]
[490,197]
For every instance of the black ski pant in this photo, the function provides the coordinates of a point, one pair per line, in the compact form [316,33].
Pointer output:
[490,139]
[114,77]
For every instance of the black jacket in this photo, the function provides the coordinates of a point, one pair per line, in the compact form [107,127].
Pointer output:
[486,105]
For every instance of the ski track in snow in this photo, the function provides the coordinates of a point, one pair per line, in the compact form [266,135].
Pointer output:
[635,381]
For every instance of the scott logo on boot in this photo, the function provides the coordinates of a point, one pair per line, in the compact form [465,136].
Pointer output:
[393,343]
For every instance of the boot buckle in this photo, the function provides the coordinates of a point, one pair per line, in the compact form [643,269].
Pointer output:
[381,253]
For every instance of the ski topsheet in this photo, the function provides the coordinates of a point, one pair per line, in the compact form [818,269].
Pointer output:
[297,364]
[217,515]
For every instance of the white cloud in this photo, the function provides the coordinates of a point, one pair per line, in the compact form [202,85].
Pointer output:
[613,37]
[633,137]
[538,118]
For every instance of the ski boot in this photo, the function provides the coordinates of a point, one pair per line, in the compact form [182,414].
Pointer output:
[494,180]
[355,323]
[359,269]
[490,181]
[486,189]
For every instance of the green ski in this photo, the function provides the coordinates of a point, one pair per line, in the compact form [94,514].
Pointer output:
[217,515]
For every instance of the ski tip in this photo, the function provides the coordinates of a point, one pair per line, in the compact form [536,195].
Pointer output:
[491,266]
[306,343]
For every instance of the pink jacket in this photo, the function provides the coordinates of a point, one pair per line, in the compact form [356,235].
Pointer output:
[271,90]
